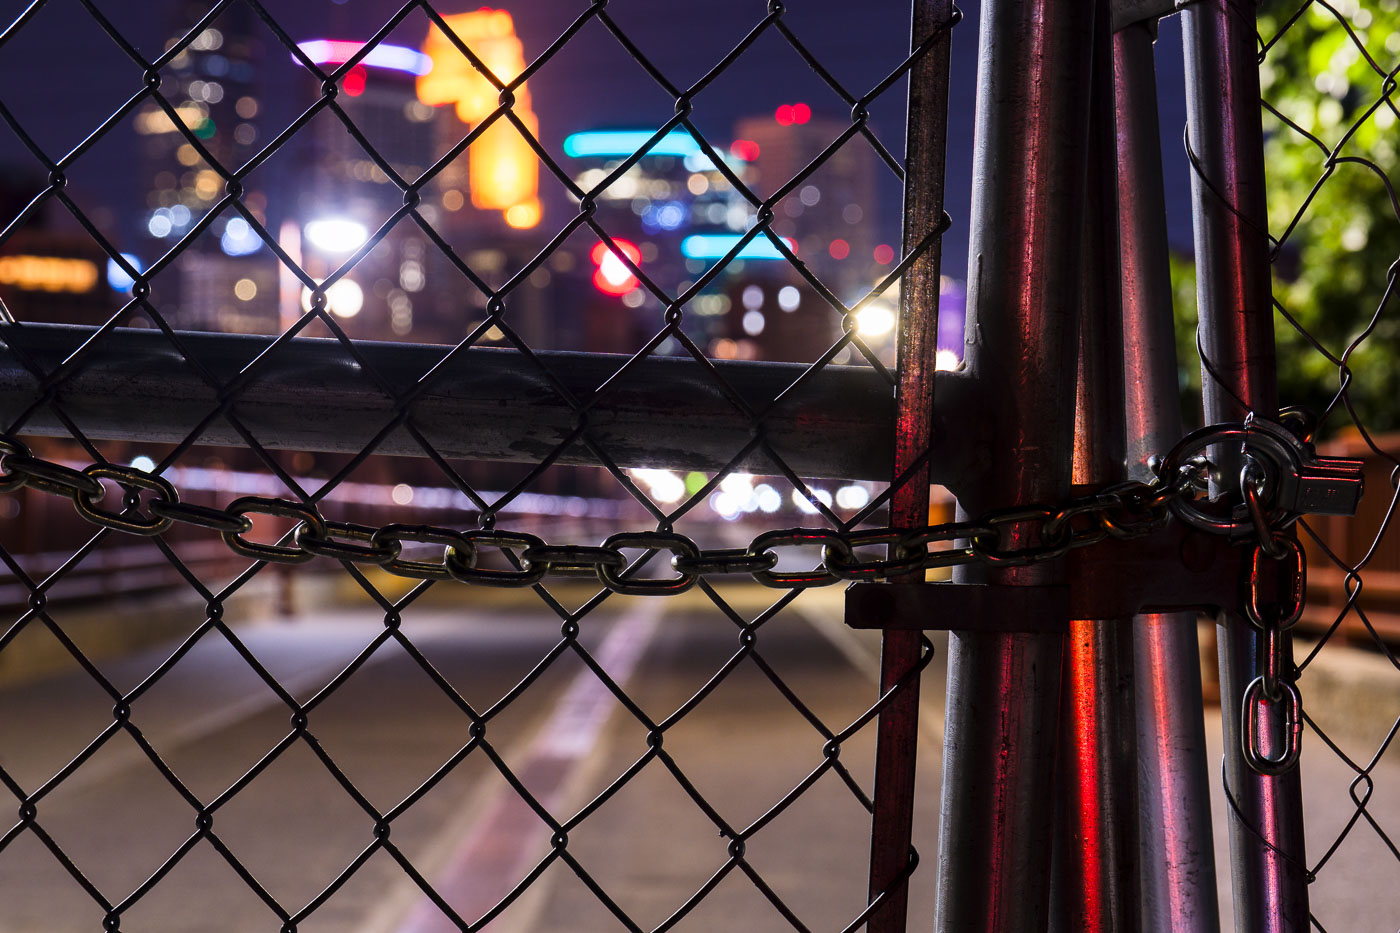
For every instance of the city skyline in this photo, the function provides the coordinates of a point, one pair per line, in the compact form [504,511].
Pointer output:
[590,105]
[224,87]
[561,114]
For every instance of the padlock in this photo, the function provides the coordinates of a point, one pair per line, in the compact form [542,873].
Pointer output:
[1297,480]
[1286,478]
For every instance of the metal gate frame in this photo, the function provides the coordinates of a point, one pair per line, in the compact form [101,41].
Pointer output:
[1050,702]
[1019,700]
[1026,279]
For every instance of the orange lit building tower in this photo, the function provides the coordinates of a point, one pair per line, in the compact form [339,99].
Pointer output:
[487,197]
[502,171]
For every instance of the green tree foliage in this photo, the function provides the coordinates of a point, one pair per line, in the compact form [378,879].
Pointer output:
[1332,141]
[1183,272]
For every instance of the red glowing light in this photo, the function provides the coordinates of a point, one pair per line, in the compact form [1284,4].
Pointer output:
[354,83]
[612,276]
[884,254]
[839,249]
[788,114]
[745,149]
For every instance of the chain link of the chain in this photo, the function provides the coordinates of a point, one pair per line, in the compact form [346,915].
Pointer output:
[1126,510]
[1278,579]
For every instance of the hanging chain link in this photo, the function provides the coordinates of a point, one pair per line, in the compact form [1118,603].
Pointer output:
[1125,510]
[1278,579]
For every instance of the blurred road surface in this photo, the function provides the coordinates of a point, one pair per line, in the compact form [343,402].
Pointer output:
[388,727]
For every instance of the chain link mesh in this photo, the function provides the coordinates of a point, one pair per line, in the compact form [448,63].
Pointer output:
[491,298]
[1328,79]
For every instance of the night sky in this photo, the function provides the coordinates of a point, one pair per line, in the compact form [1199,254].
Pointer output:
[60,76]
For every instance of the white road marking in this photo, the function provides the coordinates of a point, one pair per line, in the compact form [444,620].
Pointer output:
[497,838]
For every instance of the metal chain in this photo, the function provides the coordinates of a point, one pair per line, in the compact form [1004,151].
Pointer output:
[1125,510]
[1271,727]
[1278,579]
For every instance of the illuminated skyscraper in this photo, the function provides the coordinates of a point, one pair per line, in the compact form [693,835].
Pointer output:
[412,108]
[379,98]
[831,214]
[341,195]
[212,86]
[676,210]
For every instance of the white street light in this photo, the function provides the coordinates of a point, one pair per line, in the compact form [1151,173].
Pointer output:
[344,299]
[875,320]
[336,235]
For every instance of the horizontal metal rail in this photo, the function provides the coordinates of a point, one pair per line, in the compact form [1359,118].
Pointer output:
[482,403]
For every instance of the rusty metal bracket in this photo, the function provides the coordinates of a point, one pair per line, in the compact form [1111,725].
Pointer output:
[1174,569]
[947,606]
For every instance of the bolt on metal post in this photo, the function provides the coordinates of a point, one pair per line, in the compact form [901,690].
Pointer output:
[1003,689]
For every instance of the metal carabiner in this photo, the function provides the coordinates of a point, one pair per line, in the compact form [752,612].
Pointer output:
[1251,735]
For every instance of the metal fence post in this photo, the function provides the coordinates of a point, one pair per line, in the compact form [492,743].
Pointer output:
[897,728]
[1237,359]
[1023,300]
[1095,851]
[1178,860]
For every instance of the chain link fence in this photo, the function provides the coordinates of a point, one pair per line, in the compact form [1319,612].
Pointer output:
[1328,77]
[339,325]
[411,196]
